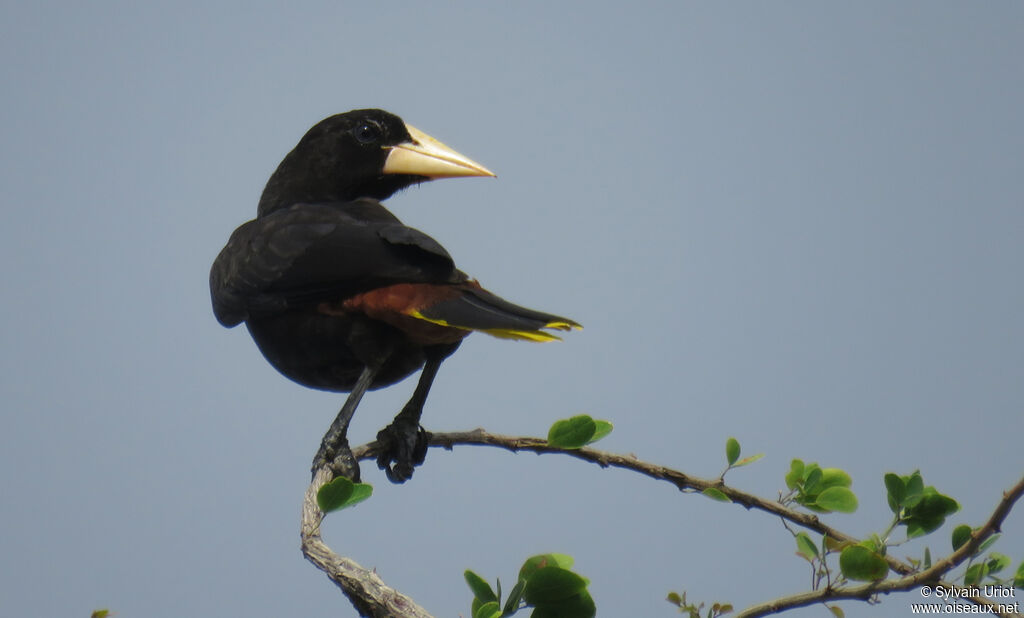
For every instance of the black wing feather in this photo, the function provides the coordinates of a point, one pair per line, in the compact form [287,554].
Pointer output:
[315,252]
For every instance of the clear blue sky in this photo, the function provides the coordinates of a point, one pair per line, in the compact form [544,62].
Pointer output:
[799,224]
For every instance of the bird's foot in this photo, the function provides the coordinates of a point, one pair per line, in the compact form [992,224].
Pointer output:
[339,458]
[403,447]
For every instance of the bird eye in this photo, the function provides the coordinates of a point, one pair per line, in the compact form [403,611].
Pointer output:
[367,132]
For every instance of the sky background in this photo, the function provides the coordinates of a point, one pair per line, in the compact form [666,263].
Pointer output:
[800,224]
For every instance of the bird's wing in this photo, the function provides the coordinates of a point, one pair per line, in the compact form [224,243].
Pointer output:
[311,253]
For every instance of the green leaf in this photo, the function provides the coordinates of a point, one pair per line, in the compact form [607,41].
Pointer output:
[997,562]
[961,534]
[914,489]
[540,561]
[927,558]
[675,599]
[834,477]
[806,547]
[1018,578]
[897,491]
[481,589]
[552,584]
[578,606]
[572,433]
[987,543]
[861,564]
[341,493]
[732,450]
[920,526]
[975,573]
[748,460]
[332,496]
[490,609]
[515,596]
[838,499]
[716,494]
[360,492]
[602,429]
[101,613]
[928,513]
[795,476]
[812,480]
[934,504]
[836,611]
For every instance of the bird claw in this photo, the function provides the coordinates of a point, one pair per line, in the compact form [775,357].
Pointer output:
[403,447]
[339,459]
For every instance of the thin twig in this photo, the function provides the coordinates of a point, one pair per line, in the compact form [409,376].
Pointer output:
[930,576]
[372,598]
[683,482]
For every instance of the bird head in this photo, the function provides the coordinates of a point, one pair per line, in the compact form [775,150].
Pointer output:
[362,153]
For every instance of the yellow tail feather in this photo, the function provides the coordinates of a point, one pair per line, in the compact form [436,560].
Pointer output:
[521,335]
[505,333]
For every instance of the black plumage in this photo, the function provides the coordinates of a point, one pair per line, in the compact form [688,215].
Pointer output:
[340,296]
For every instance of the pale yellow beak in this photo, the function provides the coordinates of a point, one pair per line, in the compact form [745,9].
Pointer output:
[425,156]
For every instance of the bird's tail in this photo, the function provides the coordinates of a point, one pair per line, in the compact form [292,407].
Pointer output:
[477,309]
[447,312]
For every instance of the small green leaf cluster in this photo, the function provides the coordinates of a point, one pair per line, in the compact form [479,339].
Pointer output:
[545,583]
[822,490]
[693,610]
[825,490]
[341,493]
[732,456]
[732,460]
[988,568]
[577,432]
[921,509]
[864,561]
[977,572]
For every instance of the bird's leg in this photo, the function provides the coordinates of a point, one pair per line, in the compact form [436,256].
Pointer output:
[404,442]
[334,449]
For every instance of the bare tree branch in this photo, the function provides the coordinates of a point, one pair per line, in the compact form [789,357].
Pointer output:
[372,598]
[683,482]
[366,590]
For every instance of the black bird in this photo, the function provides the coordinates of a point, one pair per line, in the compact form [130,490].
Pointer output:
[340,296]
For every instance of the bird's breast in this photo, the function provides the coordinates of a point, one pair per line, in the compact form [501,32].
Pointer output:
[328,351]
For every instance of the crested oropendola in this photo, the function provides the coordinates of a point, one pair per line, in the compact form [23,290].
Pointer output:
[340,296]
